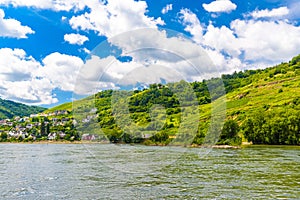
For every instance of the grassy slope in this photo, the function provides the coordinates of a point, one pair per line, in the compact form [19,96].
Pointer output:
[65,106]
[265,93]
[70,105]
[270,89]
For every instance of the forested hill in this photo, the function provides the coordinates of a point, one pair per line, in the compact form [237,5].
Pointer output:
[262,106]
[9,109]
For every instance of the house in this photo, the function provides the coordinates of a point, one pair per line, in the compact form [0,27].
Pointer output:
[43,115]
[26,119]
[20,128]
[60,112]
[89,118]
[54,119]
[23,134]
[64,112]
[21,120]
[65,119]
[51,136]
[94,110]
[34,115]
[89,137]
[61,134]
[13,134]
[33,137]
[9,123]
[146,136]
[85,120]
[29,126]
[74,122]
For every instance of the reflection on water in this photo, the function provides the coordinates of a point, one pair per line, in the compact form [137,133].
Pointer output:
[63,171]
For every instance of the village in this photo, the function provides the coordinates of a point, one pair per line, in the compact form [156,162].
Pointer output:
[52,126]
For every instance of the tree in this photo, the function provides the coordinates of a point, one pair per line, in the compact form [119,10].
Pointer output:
[3,137]
[42,129]
[47,128]
[126,138]
[248,129]
[160,137]
[230,129]
[229,134]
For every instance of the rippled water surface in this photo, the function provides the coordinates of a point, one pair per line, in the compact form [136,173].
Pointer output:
[96,171]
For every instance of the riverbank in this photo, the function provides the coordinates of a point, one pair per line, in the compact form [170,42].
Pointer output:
[83,142]
[56,142]
[103,142]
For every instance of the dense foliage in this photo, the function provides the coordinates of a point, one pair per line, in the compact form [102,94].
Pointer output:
[229,134]
[273,128]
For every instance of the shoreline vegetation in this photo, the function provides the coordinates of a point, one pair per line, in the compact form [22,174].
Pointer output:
[244,145]
[262,107]
[97,142]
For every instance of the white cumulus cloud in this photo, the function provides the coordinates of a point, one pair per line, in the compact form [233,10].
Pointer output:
[61,70]
[155,58]
[26,80]
[255,43]
[219,6]
[75,38]
[167,8]
[115,17]
[276,12]
[267,40]
[65,5]
[13,28]
[19,81]
[15,65]
[191,23]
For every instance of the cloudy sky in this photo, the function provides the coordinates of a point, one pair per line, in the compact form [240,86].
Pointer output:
[50,49]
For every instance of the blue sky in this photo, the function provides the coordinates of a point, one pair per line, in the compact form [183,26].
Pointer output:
[51,50]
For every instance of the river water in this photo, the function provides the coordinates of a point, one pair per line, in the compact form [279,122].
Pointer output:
[107,171]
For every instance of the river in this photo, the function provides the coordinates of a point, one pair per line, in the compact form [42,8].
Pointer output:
[107,171]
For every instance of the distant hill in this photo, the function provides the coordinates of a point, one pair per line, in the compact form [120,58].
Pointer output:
[264,104]
[9,109]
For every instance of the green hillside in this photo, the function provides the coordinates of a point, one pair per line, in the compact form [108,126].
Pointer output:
[262,106]
[9,109]
[65,106]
